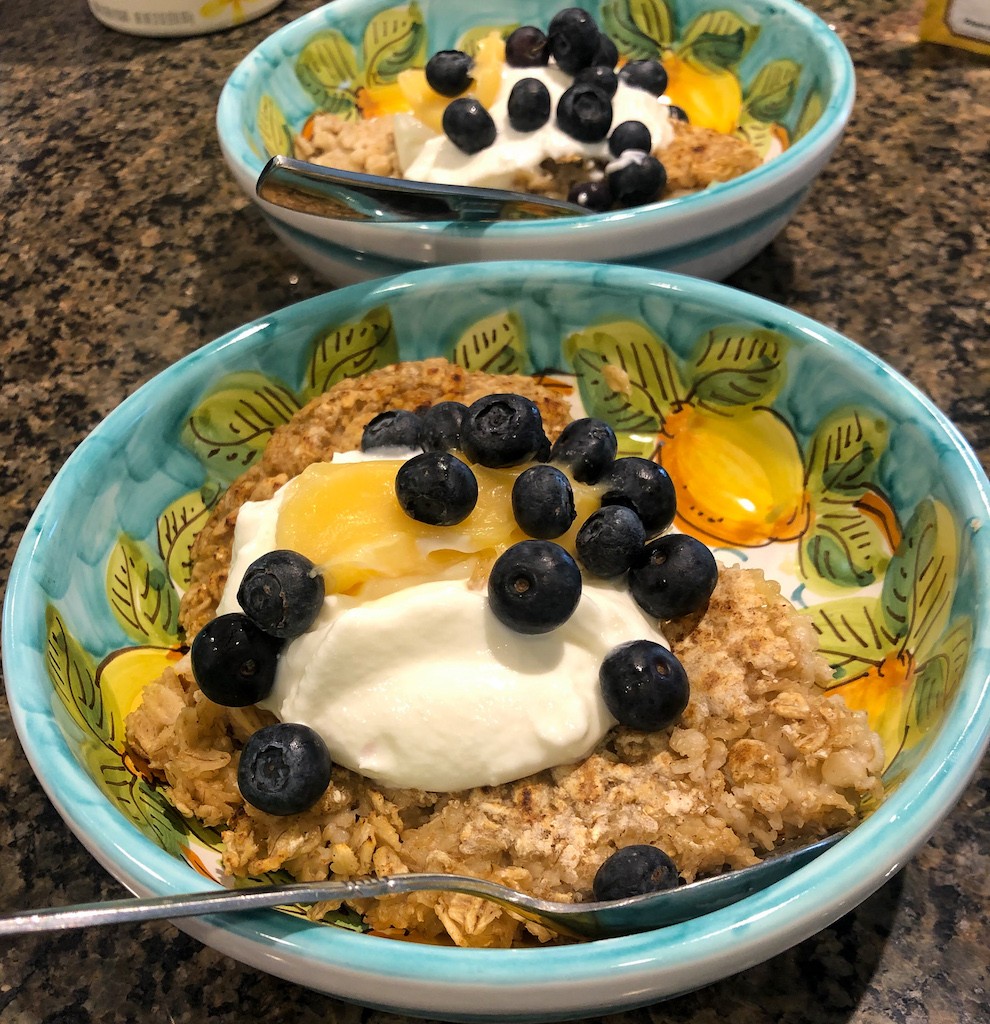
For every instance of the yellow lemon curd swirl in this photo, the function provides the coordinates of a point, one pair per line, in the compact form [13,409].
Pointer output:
[346,519]
[412,92]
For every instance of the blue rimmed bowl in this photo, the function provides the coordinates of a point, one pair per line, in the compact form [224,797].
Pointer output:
[826,427]
[797,81]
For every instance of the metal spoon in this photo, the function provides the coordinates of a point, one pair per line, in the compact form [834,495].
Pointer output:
[347,195]
[578,920]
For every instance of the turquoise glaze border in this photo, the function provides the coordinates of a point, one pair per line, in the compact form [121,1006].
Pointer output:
[824,368]
[788,29]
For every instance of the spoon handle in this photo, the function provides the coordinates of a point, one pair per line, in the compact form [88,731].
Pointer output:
[588,920]
[347,195]
[123,911]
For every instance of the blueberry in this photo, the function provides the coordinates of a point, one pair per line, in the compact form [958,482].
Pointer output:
[593,195]
[502,430]
[638,178]
[634,871]
[468,125]
[528,105]
[534,586]
[609,540]
[442,426]
[677,113]
[599,75]
[436,488]
[644,686]
[630,135]
[448,72]
[644,487]
[543,502]
[672,576]
[542,450]
[527,47]
[395,428]
[282,593]
[234,661]
[585,113]
[574,39]
[284,768]
[645,74]
[587,448]
[607,53]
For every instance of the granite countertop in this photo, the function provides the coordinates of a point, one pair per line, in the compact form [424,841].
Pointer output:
[126,245]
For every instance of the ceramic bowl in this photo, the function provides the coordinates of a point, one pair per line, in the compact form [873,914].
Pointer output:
[808,455]
[797,81]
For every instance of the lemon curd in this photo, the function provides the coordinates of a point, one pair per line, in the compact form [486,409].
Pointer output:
[344,516]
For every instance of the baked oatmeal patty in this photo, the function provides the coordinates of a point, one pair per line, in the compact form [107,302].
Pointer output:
[696,157]
[761,754]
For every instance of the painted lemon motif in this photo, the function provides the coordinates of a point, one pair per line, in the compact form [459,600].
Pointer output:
[123,676]
[885,693]
[711,97]
[738,474]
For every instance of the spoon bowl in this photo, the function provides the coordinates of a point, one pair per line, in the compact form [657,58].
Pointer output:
[595,920]
[347,195]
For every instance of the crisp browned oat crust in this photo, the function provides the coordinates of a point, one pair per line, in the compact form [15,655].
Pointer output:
[760,755]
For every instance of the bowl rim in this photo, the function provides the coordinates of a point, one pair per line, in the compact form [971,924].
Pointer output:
[812,147]
[572,979]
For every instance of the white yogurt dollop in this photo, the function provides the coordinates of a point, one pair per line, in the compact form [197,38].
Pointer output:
[424,688]
[424,156]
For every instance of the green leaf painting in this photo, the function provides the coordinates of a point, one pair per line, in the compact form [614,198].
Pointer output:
[848,544]
[772,90]
[737,366]
[350,350]
[327,70]
[73,675]
[494,344]
[843,546]
[811,110]
[231,426]
[393,41]
[141,595]
[899,656]
[759,134]
[718,38]
[919,584]
[852,636]
[845,453]
[641,29]
[177,528]
[138,801]
[939,676]
[632,361]
[272,128]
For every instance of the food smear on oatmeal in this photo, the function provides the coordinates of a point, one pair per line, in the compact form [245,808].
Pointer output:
[555,113]
[423,687]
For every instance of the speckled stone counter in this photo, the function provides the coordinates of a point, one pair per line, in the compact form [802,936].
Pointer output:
[125,245]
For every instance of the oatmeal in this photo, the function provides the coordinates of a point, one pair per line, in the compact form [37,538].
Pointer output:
[759,755]
[548,114]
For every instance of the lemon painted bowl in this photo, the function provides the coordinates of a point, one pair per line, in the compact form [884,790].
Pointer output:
[784,77]
[793,449]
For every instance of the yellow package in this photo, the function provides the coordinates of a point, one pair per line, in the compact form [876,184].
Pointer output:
[962,23]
